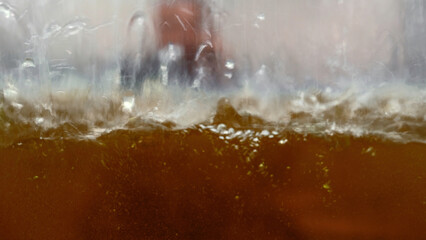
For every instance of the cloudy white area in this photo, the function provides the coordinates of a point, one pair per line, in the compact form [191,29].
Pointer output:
[322,40]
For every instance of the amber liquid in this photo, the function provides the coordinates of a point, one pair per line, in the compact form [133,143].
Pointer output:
[191,184]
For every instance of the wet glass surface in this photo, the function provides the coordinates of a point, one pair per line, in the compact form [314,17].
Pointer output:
[190,119]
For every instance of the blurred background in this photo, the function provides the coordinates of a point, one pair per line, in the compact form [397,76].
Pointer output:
[283,41]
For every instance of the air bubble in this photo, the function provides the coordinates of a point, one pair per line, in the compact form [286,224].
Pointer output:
[265,133]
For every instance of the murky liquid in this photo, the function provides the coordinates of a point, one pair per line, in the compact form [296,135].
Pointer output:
[320,133]
[233,176]
[192,184]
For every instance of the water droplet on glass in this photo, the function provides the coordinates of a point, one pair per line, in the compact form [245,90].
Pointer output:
[128,104]
[228,75]
[169,58]
[137,19]
[230,65]
[28,63]
[140,20]
[6,10]
[10,92]
[262,70]
[201,49]
[164,75]
[51,30]
[259,18]
[74,27]
[171,53]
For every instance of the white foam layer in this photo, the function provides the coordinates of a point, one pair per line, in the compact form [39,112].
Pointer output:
[394,110]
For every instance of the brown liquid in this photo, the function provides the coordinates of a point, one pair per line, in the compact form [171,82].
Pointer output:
[189,184]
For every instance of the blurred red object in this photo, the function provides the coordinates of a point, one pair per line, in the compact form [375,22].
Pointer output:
[185,40]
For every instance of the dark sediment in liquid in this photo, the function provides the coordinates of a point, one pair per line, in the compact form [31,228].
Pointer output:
[191,184]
